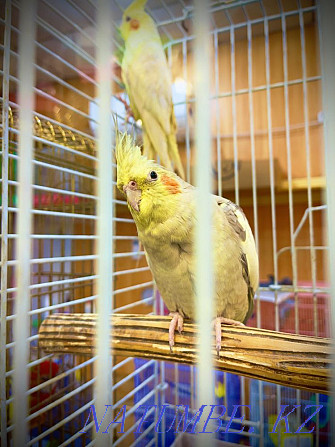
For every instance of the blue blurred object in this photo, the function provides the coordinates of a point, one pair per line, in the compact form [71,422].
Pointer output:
[232,388]
[233,397]
[288,396]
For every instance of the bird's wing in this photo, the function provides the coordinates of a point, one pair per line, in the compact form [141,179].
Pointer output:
[149,89]
[130,96]
[248,256]
[147,79]
[148,85]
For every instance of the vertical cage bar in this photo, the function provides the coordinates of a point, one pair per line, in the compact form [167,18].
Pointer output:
[161,369]
[252,135]
[187,129]
[162,401]
[4,221]
[203,233]
[103,384]
[272,188]
[233,105]
[156,364]
[290,190]
[176,366]
[188,174]
[289,167]
[217,112]
[327,38]
[309,190]
[253,156]
[271,166]
[308,164]
[254,202]
[26,98]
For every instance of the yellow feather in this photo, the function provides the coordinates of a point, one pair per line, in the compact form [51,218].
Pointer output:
[132,165]
[146,76]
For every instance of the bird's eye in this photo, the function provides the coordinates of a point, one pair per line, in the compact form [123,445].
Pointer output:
[128,19]
[153,175]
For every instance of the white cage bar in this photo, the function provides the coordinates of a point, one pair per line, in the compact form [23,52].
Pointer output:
[328,68]
[203,237]
[26,104]
[103,383]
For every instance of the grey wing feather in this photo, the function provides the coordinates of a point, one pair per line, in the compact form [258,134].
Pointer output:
[248,254]
[251,293]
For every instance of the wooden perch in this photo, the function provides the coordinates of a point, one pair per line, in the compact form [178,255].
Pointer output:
[286,359]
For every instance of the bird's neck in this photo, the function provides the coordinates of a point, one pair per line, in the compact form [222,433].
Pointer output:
[143,37]
[155,212]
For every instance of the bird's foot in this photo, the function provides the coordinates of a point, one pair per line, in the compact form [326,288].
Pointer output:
[129,115]
[176,323]
[217,326]
[129,112]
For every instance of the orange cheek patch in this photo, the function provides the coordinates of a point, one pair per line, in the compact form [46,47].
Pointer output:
[134,24]
[171,184]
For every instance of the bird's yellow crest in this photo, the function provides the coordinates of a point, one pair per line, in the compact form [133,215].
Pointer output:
[156,196]
[136,5]
[126,150]
[135,19]
[130,162]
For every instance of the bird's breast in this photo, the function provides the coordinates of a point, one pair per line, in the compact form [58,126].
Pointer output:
[172,271]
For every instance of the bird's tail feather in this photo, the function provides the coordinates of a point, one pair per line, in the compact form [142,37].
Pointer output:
[174,155]
[157,138]
[173,146]
[148,150]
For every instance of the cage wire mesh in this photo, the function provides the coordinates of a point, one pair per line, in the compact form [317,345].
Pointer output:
[267,156]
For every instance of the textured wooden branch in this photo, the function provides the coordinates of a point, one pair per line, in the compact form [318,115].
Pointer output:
[286,359]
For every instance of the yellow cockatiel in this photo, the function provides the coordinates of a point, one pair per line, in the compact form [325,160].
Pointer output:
[146,76]
[163,208]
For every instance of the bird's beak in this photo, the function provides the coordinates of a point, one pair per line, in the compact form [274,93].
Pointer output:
[133,197]
[134,24]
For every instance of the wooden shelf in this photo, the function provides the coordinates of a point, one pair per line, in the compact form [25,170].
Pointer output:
[302,183]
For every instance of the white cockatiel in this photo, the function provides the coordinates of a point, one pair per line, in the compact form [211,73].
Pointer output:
[163,208]
[146,76]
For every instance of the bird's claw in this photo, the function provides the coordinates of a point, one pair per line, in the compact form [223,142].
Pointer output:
[129,112]
[217,326]
[180,325]
[176,322]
